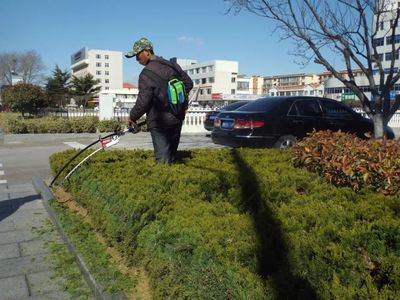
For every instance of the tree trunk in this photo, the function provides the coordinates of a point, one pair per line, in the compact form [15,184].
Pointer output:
[379,128]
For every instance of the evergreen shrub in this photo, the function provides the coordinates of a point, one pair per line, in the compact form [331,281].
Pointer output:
[14,123]
[241,224]
[109,126]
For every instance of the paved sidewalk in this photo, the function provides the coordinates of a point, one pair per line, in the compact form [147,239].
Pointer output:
[26,269]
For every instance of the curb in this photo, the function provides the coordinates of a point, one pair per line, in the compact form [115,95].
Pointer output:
[46,194]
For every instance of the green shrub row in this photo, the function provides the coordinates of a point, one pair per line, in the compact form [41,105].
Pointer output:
[346,160]
[13,123]
[241,224]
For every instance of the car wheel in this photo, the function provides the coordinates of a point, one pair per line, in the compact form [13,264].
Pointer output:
[285,142]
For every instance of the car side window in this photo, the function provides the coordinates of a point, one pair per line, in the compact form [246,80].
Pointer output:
[334,110]
[308,108]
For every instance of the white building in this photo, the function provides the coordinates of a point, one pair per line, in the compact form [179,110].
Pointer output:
[213,78]
[383,40]
[104,65]
[244,85]
[123,99]
[314,89]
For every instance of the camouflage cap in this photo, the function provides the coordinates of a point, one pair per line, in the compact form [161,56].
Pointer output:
[138,46]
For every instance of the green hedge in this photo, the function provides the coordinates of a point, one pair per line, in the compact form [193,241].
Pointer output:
[14,123]
[241,224]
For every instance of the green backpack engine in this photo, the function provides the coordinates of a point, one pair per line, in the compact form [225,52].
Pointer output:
[171,94]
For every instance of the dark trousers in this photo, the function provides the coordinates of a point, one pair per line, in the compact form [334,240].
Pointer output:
[165,143]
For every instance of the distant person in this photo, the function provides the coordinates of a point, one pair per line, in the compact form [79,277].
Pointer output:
[163,120]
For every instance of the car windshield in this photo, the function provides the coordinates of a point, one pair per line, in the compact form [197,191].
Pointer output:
[263,104]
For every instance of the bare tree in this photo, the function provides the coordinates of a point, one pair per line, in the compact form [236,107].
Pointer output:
[8,65]
[355,30]
[28,65]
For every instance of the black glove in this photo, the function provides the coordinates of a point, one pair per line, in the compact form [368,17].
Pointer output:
[133,127]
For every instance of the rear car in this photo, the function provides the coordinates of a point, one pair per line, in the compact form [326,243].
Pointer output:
[211,115]
[280,121]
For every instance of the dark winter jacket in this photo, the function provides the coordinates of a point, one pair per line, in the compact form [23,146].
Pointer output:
[147,103]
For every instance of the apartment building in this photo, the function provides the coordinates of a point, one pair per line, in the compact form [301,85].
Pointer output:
[258,85]
[383,40]
[123,99]
[335,89]
[293,85]
[382,24]
[104,65]
[213,78]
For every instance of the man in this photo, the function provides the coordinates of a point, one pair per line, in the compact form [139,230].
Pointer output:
[165,126]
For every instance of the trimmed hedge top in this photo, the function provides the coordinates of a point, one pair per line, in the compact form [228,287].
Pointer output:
[241,224]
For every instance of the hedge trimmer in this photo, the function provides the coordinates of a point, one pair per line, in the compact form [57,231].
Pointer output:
[105,142]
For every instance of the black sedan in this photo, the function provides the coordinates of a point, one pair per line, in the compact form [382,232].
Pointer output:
[211,115]
[279,121]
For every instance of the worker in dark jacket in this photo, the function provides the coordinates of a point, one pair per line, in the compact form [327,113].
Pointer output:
[165,127]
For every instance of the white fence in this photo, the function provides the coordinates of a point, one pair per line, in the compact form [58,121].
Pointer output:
[394,121]
[194,120]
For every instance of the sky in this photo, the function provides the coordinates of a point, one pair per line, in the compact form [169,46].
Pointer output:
[191,29]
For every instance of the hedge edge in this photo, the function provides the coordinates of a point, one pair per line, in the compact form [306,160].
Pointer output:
[47,195]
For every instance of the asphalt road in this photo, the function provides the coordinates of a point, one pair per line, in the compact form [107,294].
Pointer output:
[27,155]
[23,156]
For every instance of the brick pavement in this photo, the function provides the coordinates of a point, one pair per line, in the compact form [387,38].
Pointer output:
[26,268]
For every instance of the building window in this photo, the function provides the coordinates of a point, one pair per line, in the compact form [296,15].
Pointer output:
[98,72]
[197,81]
[98,64]
[211,79]
[210,68]
[233,79]
[107,80]
[233,91]
[204,69]
[388,55]
[201,91]
[191,71]
[197,70]
[379,42]
[387,70]
[106,56]
[98,56]
[396,39]
[106,72]
[98,80]
[106,88]
[381,25]
[208,91]
[107,65]
[243,86]
[203,80]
